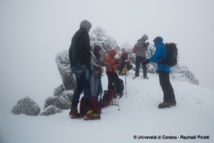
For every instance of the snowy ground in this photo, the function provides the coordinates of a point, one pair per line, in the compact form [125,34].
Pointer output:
[138,118]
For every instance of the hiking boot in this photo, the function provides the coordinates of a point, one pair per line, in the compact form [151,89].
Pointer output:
[91,116]
[120,94]
[173,103]
[74,113]
[135,77]
[146,77]
[164,105]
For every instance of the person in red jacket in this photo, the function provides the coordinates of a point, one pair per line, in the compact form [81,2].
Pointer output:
[113,79]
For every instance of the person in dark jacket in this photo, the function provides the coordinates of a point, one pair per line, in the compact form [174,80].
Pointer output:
[163,70]
[124,62]
[80,60]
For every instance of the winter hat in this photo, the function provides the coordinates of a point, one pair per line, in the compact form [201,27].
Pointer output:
[145,37]
[85,24]
[96,50]
[158,40]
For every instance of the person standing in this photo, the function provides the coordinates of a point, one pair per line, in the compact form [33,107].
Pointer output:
[97,71]
[113,79]
[80,61]
[163,71]
[140,49]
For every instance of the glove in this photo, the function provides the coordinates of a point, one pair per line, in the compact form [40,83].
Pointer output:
[83,67]
[145,62]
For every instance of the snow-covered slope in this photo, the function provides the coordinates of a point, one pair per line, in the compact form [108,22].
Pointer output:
[138,118]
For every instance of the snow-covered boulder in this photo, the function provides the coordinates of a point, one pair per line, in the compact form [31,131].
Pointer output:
[182,73]
[50,110]
[62,101]
[63,64]
[26,106]
[58,90]
[99,37]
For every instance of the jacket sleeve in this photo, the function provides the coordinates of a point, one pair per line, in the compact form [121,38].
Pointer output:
[156,55]
[84,47]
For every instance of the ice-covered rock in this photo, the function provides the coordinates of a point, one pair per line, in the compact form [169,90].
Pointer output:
[63,64]
[50,110]
[62,101]
[26,106]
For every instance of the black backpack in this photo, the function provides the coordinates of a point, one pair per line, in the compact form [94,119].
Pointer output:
[171,54]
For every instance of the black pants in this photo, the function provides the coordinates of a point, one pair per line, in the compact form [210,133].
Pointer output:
[113,80]
[139,61]
[168,92]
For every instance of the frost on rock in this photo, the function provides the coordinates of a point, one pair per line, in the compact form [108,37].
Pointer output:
[182,73]
[26,106]
[62,101]
[63,64]
[58,90]
[99,37]
[50,110]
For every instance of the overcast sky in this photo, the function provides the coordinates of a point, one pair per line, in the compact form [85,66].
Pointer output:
[33,31]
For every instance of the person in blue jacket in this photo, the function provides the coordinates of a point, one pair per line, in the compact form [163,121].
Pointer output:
[163,70]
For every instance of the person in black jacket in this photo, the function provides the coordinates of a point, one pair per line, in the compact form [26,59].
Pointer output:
[80,61]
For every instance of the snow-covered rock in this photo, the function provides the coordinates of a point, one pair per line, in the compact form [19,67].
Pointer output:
[58,90]
[62,101]
[26,106]
[182,73]
[99,37]
[50,110]
[63,64]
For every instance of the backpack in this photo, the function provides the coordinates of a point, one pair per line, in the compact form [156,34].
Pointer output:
[171,54]
[93,103]
[120,85]
[134,49]
[106,98]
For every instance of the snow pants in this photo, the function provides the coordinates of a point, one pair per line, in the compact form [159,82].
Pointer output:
[139,61]
[168,92]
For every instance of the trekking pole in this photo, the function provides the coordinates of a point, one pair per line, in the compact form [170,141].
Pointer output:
[118,103]
[117,98]
[125,79]
[126,84]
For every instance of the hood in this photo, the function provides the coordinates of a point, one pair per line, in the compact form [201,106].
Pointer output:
[96,50]
[112,53]
[85,24]
[158,40]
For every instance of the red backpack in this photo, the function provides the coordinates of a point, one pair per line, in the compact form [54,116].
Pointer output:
[93,103]
[106,98]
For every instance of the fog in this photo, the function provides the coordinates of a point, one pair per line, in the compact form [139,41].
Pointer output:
[33,32]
